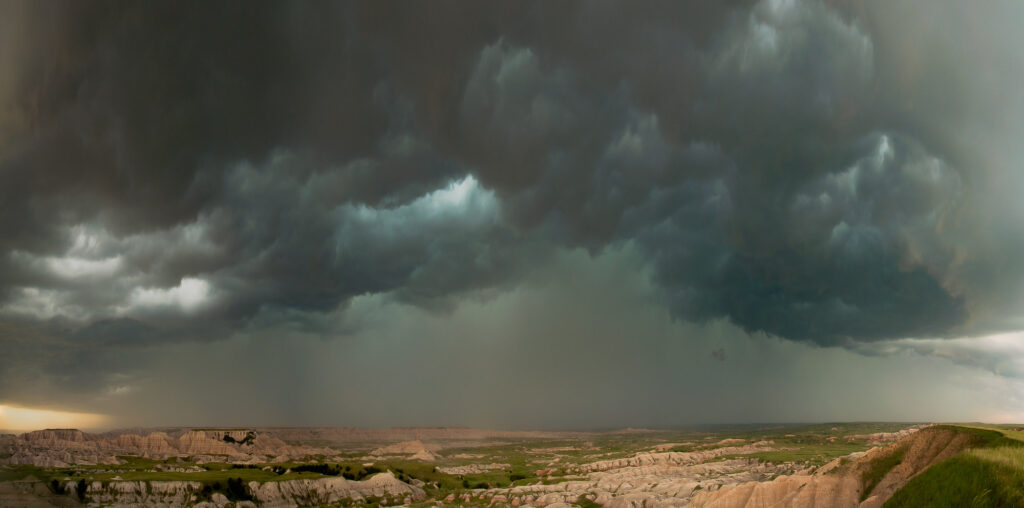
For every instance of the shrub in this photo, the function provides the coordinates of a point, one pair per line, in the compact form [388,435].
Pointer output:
[324,469]
[81,488]
[237,491]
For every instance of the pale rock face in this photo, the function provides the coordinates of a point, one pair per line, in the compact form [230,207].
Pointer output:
[403,448]
[657,484]
[888,437]
[423,455]
[670,458]
[287,493]
[54,435]
[795,491]
[139,493]
[331,490]
[473,468]
[62,447]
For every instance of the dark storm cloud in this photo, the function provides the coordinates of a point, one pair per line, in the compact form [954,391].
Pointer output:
[185,170]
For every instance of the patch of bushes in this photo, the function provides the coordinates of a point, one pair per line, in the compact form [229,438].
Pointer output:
[324,469]
[237,491]
[360,473]
[81,488]
[249,437]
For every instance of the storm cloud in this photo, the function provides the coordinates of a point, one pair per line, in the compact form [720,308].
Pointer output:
[830,173]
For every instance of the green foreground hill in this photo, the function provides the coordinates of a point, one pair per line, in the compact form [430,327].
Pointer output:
[990,474]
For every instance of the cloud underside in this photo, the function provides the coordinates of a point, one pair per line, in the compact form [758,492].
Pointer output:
[835,174]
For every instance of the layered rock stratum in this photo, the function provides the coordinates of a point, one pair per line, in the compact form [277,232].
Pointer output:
[63,447]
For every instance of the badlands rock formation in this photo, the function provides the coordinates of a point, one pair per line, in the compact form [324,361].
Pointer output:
[785,491]
[706,477]
[842,487]
[415,450]
[403,448]
[670,458]
[61,447]
[354,436]
[655,480]
[887,437]
[128,493]
[287,493]
[324,491]
[663,484]
[473,469]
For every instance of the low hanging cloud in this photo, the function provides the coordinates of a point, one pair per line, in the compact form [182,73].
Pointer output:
[188,171]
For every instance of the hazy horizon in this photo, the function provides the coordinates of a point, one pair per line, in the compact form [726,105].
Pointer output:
[511,215]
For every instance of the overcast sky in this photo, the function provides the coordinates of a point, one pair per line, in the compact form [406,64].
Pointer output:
[512,214]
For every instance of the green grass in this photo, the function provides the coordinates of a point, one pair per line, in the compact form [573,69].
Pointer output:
[963,481]
[585,502]
[14,473]
[1010,456]
[1015,432]
[878,467]
[989,475]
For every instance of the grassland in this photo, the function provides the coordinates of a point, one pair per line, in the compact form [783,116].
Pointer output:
[989,475]
[966,480]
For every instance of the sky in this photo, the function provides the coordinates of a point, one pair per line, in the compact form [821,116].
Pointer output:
[511,214]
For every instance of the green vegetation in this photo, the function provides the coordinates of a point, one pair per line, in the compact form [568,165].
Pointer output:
[15,473]
[237,491]
[878,468]
[816,454]
[982,437]
[1015,432]
[247,440]
[963,481]
[989,475]
[1011,456]
[80,489]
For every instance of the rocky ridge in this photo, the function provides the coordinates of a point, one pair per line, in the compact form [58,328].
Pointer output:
[670,458]
[63,447]
[274,494]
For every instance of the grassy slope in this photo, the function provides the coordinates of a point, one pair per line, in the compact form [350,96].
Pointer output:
[991,475]
[878,468]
